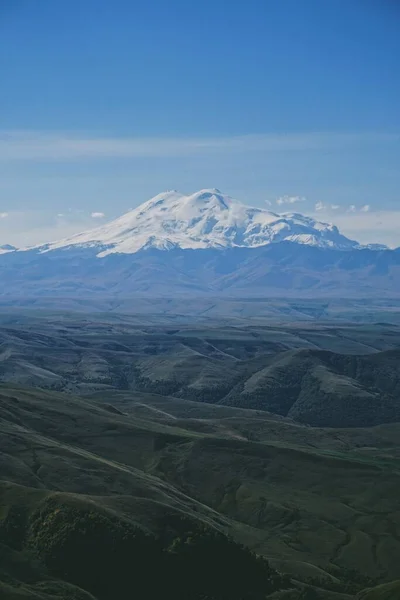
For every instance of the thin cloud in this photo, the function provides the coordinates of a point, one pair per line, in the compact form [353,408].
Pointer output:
[41,146]
[30,227]
[321,206]
[3,215]
[289,200]
[381,227]
[97,215]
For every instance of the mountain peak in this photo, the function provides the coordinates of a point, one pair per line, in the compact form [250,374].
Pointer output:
[7,248]
[206,219]
[207,193]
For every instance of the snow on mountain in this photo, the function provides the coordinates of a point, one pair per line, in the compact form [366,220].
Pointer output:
[206,219]
[7,248]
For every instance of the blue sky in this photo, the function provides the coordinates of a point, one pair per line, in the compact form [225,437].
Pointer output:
[104,104]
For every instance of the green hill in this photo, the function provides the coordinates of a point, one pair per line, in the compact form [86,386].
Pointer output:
[325,389]
[319,504]
[323,375]
[389,591]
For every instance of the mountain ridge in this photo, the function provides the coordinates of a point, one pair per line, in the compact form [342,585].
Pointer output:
[275,270]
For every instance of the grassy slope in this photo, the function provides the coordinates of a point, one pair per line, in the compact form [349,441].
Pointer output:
[389,591]
[290,370]
[317,502]
[323,388]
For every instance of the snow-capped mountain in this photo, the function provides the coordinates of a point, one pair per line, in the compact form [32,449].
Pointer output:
[206,219]
[216,247]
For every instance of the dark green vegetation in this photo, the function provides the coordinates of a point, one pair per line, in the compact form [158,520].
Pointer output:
[324,388]
[77,541]
[389,591]
[115,483]
[321,505]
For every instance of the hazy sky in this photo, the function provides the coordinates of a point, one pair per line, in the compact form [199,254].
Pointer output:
[282,103]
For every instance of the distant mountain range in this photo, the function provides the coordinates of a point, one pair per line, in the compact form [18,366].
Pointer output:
[205,243]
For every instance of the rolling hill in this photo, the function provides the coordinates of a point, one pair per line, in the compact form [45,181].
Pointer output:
[324,388]
[319,375]
[301,497]
[193,442]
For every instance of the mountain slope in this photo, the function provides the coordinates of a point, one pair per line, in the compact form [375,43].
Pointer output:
[324,389]
[317,503]
[320,504]
[206,219]
[5,248]
[287,371]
